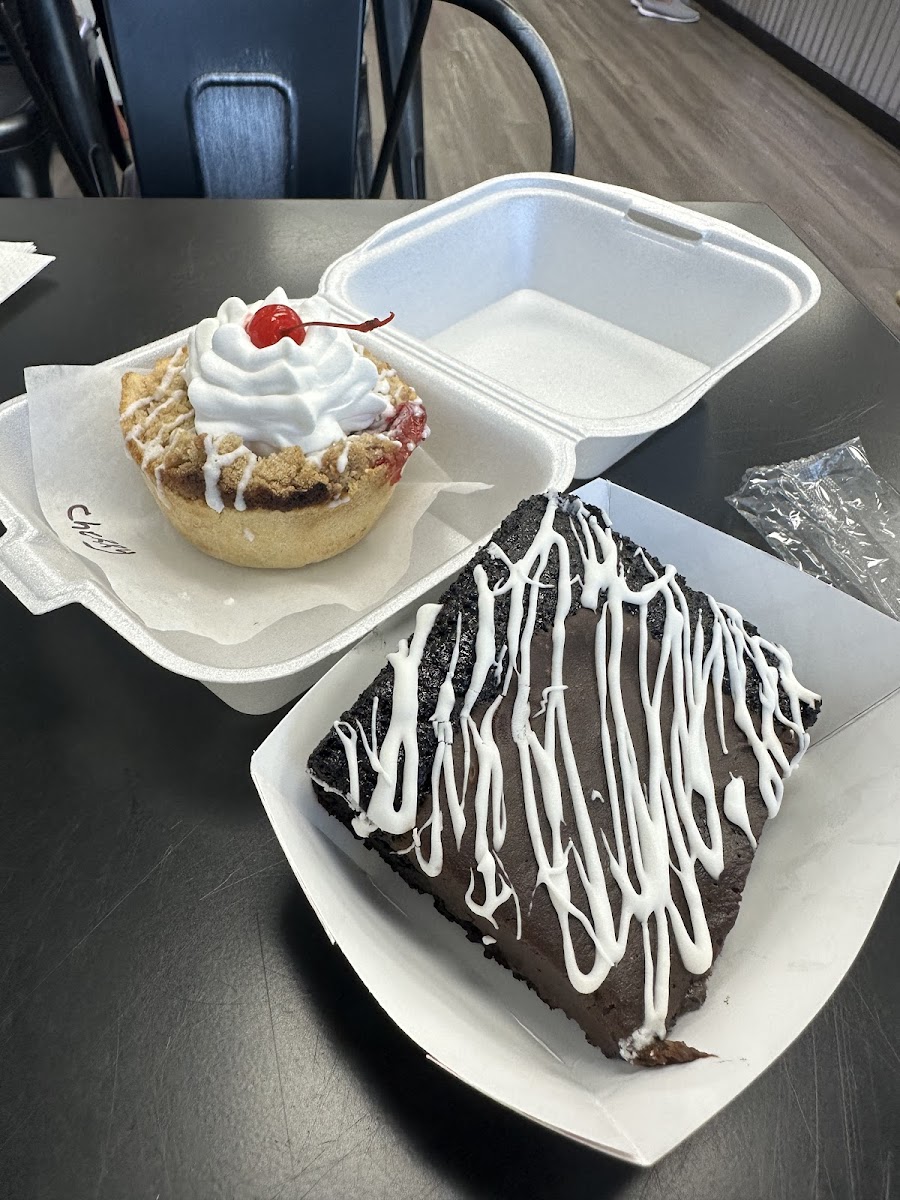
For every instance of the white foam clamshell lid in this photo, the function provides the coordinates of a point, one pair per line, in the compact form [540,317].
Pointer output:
[509,296]
[812,894]
[604,310]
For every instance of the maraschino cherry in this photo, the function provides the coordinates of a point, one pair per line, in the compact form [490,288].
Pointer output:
[273,322]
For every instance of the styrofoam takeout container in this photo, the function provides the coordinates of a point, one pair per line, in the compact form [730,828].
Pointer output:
[549,323]
[822,871]
[602,310]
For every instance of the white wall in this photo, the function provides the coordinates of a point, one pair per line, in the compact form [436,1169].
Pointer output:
[856,41]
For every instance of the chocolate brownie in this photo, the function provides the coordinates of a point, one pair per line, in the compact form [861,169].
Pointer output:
[574,755]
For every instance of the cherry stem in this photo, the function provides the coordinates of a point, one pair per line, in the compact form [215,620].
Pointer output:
[362,327]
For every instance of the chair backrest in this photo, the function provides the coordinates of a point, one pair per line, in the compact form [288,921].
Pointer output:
[43,39]
[226,98]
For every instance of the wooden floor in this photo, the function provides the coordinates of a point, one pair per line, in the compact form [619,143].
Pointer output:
[691,112]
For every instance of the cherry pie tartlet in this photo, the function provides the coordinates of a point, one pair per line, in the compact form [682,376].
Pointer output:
[271,439]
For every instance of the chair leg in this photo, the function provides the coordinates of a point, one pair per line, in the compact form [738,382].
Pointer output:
[25,171]
[405,79]
[536,53]
[393,20]
[363,135]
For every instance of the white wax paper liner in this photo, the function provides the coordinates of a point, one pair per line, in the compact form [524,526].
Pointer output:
[92,496]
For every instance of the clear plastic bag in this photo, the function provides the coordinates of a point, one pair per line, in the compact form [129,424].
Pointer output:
[833,517]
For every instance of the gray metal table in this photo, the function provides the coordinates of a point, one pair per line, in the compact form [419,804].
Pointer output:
[174,1023]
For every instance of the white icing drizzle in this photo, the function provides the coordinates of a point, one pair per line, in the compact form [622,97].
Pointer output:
[382,810]
[630,1048]
[239,502]
[162,398]
[139,427]
[442,767]
[383,386]
[657,843]
[361,825]
[175,367]
[156,446]
[214,466]
[734,806]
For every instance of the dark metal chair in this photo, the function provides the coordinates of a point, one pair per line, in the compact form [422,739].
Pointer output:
[238,99]
[536,53]
[25,142]
[257,102]
[403,143]
[211,115]
[43,40]
[393,21]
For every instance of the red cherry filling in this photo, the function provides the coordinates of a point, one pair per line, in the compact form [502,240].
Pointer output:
[273,322]
[409,428]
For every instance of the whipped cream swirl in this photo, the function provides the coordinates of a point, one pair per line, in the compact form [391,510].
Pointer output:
[310,395]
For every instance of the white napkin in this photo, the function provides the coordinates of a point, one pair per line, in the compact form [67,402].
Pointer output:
[18,264]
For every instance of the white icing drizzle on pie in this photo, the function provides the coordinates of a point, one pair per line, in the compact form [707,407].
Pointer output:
[163,397]
[175,367]
[657,844]
[156,446]
[216,462]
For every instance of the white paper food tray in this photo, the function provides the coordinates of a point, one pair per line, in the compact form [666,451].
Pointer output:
[811,897]
[565,285]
